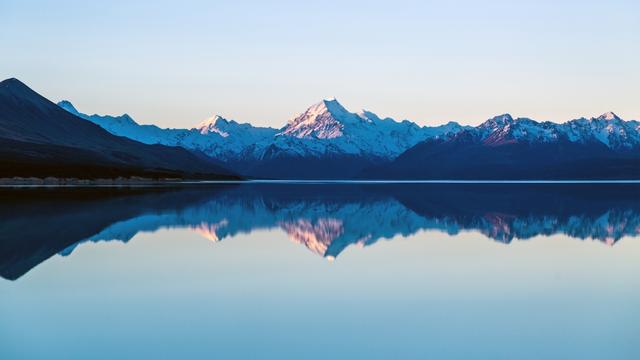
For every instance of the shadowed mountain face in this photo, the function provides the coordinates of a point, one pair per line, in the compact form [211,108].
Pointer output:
[38,138]
[37,224]
[326,141]
[605,147]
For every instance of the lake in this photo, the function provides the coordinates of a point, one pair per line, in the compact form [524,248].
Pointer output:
[321,271]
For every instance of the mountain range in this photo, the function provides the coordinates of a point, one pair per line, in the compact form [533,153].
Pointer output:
[604,147]
[40,139]
[326,141]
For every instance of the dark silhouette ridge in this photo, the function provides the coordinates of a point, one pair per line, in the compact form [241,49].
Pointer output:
[38,138]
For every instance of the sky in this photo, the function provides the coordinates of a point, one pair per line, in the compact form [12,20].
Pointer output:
[176,63]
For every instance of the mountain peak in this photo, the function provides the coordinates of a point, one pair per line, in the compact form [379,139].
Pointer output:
[331,106]
[216,124]
[216,119]
[16,91]
[17,88]
[10,81]
[323,120]
[498,121]
[67,105]
[608,116]
[505,118]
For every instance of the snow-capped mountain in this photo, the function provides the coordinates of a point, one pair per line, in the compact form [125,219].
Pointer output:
[328,128]
[40,139]
[124,125]
[604,147]
[607,129]
[324,120]
[226,140]
[328,141]
[324,128]
[242,136]
[324,131]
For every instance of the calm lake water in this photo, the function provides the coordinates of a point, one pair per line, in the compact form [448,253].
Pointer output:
[321,271]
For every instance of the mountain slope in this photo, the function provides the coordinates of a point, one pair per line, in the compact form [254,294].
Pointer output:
[325,141]
[605,147]
[328,142]
[328,128]
[38,138]
[217,137]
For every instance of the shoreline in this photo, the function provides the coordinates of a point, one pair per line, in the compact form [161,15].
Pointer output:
[55,181]
[141,181]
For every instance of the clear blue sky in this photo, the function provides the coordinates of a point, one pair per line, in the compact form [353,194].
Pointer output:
[175,63]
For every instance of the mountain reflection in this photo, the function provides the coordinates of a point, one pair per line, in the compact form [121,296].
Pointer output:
[325,218]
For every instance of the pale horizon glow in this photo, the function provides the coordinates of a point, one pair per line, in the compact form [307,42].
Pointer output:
[431,62]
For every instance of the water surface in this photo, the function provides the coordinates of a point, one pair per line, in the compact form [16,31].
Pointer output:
[321,271]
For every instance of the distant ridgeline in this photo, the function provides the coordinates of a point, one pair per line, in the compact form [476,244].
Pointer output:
[37,224]
[324,142]
[40,139]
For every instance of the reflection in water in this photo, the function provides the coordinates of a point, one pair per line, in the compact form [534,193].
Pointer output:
[36,224]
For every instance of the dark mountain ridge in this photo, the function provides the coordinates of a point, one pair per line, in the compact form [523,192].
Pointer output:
[38,138]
